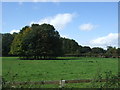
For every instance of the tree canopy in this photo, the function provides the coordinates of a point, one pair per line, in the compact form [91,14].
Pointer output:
[44,42]
[69,46]
[7,39]
[37,42]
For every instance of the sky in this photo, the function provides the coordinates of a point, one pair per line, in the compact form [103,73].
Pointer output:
[93,24]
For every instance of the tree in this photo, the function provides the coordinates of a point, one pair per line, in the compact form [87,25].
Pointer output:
[7,39]
[86,49]
[37,41]
[70,47]
[17,44]
[111,52]
[96,51]
[118,51]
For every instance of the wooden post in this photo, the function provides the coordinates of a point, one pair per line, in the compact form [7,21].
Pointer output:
[62,83]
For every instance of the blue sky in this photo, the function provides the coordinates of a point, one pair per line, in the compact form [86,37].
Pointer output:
[92,24]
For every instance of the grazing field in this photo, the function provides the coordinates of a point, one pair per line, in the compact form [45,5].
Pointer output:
[0,66]
[44,70]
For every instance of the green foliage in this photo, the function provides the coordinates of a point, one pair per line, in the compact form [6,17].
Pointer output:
[112,52]
[112,81]
[86,49]
[36,42]
[70,47]
[44,42]
[6,43]
[98,52]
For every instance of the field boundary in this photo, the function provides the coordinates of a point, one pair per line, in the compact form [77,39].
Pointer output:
[59,82]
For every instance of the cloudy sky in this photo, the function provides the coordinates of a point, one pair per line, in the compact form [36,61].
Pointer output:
[92,24]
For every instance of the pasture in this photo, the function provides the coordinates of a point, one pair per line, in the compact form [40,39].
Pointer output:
[46,70]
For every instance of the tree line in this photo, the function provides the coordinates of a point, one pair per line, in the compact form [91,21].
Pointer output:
[44,42]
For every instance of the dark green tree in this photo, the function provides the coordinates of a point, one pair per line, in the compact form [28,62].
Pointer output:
[98,52]
[86,49]
[70,47]
[37,42]
[111,52]
[17,44]
[118,51]
[7,39]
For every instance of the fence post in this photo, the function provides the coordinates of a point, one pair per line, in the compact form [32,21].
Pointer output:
[62,83]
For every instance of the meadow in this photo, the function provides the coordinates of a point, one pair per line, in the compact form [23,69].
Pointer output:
[74,68]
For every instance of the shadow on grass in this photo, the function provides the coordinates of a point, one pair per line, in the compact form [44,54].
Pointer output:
[59,58]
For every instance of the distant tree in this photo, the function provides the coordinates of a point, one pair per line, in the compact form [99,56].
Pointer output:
[86,49]
[118,51]
[44,42]
[17,46]
[7,39]
[96,51]
[111,52]
[109,47]
[37,41]
[70,46]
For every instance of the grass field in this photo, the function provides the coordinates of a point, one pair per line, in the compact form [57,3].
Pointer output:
[39,70]
[0,66]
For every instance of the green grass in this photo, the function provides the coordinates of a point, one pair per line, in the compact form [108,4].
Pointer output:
[0,66]
[39,70]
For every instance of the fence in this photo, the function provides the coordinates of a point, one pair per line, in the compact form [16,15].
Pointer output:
[60,82]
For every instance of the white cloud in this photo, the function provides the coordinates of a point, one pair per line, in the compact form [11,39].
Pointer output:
[87,27]
[12,31]
[109,40]
[59,21]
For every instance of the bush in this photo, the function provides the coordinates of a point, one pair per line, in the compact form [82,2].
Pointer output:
[112,81]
